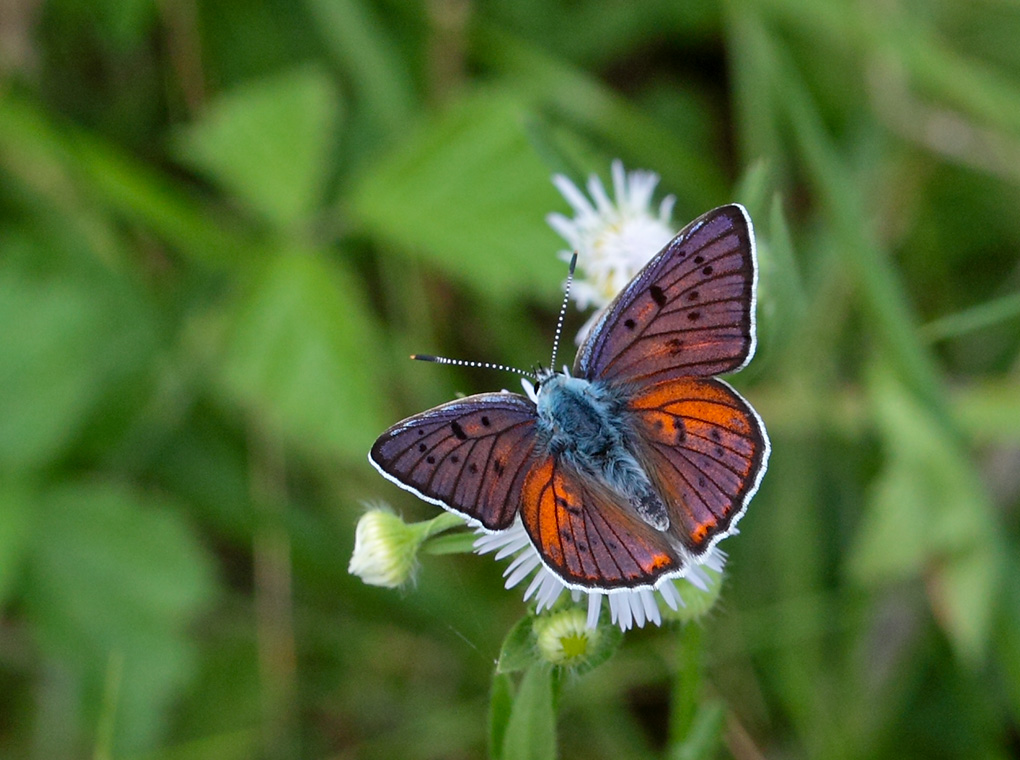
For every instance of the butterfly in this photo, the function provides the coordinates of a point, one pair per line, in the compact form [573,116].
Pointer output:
[631,467]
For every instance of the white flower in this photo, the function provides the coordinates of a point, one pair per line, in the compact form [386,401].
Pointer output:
[614,239]
[627,607]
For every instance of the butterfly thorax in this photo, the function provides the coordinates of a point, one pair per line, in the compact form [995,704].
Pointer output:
[583,423]
[577,416]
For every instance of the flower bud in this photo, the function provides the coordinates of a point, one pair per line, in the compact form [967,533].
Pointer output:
[385,549]
[564,638]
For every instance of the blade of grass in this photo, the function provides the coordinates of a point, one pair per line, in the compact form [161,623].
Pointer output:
[54,158]
[961,323]
[592,108]
[359,43]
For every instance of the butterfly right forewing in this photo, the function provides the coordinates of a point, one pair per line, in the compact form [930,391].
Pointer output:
[470,455]
[688,313]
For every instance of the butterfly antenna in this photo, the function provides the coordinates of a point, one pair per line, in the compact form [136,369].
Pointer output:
[465,363]
[563,309]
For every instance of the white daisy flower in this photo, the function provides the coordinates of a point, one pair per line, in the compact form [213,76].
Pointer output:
[614,239]
[628,608]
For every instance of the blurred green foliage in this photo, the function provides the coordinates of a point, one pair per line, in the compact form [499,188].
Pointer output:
[223,226]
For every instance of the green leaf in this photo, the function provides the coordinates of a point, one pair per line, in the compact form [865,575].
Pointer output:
[122,24]
[268,143]
[518,651]
[531,730]
[930,516]
[362,45]
[115,580]
[592,109]
[610,639]
[1007,639]
[77,337]
[15,512]
[301,357]
[468,192]
[53,157]
[501,700]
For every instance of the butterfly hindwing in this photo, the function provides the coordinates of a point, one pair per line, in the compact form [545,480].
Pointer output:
[470,455]
[586,536]
[705,449]
[689,312]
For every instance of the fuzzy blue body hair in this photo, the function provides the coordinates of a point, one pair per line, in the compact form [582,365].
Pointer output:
[585,424]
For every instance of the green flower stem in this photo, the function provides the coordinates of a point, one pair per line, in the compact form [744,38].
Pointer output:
[455,543]
[442,523]
[687,689]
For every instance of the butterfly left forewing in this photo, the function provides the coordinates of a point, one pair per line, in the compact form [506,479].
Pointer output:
[587,536]
[470,456]
[689,312]
[705,450]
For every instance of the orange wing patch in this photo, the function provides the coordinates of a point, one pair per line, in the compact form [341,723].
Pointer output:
[703,447]
[586,535]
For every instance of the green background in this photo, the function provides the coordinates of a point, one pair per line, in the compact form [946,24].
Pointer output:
[223,227]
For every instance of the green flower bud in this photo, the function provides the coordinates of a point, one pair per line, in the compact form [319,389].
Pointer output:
[563,638]
[385,549]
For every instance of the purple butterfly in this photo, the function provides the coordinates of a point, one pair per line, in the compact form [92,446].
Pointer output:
[632,467]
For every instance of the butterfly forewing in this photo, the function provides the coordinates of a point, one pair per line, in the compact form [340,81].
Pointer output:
[689,312]
[586,536]
[469,455]
[705,449]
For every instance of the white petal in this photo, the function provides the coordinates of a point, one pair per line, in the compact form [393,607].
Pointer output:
[651,607]
[565,228]
[619,181]
[511,547]
[666,209]
[521,568]
[529,389]
[671,596]
[533,586]
[598,191]
[550,590]
[637,608]
[594,607]
[697,578]
[572,195]
[642,185]
[620,607]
